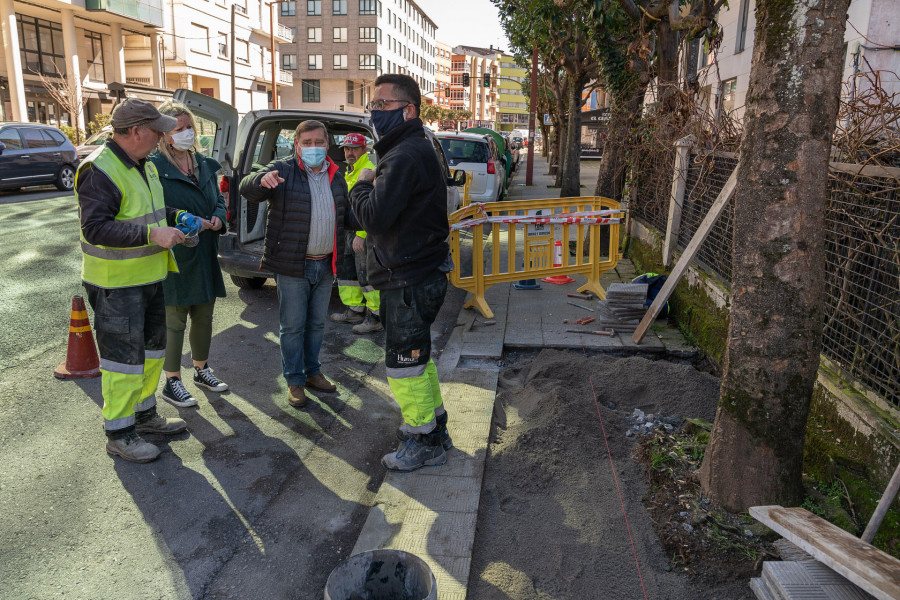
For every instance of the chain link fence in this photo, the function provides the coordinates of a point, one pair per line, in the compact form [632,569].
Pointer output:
[862,323]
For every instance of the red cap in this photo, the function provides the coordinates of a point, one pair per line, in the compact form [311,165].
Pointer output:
[353,139]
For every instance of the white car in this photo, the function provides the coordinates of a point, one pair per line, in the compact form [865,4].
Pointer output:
[246,146]
[477,154]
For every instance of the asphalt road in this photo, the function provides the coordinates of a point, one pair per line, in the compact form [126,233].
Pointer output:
[259,500]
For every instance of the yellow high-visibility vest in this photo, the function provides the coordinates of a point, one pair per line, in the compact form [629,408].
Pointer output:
[142,204]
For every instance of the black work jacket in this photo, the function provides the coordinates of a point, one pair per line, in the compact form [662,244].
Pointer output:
[290,210]
[404,211]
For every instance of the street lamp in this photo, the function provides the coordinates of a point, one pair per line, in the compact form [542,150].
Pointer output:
[272,49]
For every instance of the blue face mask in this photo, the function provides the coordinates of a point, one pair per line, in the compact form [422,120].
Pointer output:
[313,156]
[385,120]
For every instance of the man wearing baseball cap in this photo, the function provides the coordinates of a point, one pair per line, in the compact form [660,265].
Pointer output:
[126,235]
[353,284]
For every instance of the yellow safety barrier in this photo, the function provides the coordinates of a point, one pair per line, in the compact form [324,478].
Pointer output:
[536,246]
[467,193]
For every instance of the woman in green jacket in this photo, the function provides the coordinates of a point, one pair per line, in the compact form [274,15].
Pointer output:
[190,183]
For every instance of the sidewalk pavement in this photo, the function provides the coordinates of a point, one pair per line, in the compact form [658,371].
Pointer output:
[433,512]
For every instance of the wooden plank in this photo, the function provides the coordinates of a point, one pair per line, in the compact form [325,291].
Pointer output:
[684,261]
[864,565]
[866,170]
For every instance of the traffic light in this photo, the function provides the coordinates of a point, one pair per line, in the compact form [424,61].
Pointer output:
[466,79]
[487,80]
[447,91]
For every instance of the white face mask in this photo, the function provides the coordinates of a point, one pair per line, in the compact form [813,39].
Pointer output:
[183,140]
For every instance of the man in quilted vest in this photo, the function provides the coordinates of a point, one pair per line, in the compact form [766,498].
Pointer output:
[308,212]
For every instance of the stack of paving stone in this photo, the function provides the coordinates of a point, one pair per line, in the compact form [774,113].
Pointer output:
[624,306]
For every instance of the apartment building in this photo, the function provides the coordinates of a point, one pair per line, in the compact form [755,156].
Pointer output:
[870,44]
[442,64]
[481,96]
[512,108]
[80,40]
[199,51]
[111,49]
[343,45]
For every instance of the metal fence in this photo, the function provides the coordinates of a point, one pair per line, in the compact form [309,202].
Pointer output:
[862,323]
[706,177]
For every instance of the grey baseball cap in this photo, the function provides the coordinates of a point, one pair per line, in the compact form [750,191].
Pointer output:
[131,112]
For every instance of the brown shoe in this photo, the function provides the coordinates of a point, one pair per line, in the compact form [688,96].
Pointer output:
[296,396]
[318,382]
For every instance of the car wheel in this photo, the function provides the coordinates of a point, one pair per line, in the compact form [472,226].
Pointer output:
[248,283]
[65,180]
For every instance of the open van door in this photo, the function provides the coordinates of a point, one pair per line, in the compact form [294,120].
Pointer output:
[218,124]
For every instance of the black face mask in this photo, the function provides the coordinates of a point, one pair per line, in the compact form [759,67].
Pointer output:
[385,120]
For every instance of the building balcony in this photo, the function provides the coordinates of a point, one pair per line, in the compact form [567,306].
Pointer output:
[283,77]
[283,34]
[145,11]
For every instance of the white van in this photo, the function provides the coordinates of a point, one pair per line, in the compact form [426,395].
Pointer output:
[260,137]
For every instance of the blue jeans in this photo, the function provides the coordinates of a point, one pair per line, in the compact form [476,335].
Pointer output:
[302,307]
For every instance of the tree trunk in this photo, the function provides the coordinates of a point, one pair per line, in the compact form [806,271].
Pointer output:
[624,111]
[755,451]
[666,66]
[571,183]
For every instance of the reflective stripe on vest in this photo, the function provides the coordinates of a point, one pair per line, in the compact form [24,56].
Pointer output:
[142,205]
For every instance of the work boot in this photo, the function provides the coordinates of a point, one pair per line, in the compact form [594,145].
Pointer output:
[441,429]
[132,448]
[370,324]
[296,396]
[160,424]
[419,450]
[204,378]
[318,382]
[175,393]
[349,316]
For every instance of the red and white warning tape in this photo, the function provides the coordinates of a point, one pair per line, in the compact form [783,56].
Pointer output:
[593,217]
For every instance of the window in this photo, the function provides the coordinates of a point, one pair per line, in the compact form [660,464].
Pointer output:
[314,35]
[743,15]
[95,56]
[293,34]
[289,62]
[369,62]
[288,9]
[368,7]
[10,137]
[350,92]
[728,89]
[242,50]
[369,34]
[315,62]
[339,34]
[340,62]
[41,46]
[223,45]
[200,35]
[313,7]
[339,7]
[310,89]
[34,139]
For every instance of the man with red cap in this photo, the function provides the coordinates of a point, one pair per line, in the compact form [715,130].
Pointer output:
[353,285]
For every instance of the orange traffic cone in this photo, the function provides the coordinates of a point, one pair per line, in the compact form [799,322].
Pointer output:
[557,262]
[81,357]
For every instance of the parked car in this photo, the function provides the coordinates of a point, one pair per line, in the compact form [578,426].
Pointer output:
[95,141]
[477,154]
[247,145]
[36,154]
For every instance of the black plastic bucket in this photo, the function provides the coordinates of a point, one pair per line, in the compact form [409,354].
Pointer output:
[381,575]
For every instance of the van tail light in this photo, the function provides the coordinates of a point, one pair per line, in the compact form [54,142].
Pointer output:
[491,168]
[224,186]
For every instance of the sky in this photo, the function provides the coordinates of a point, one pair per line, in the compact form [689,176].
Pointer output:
[466,22]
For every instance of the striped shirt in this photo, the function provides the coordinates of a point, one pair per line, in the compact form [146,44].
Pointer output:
[321,225]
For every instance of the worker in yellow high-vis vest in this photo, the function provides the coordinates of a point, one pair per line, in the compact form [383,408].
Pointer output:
[360,298]
[126,236]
